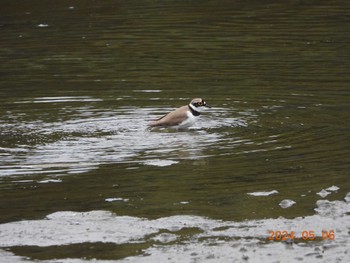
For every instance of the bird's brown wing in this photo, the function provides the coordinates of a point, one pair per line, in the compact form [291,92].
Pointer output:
[172,118]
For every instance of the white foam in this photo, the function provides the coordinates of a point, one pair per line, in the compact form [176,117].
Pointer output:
[116,199]
[286,203]
[160,163]
[213,240]
[323,193]
[263,193]
[50,181]
[333,188]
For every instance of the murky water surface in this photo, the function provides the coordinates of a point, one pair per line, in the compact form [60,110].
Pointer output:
[82,177]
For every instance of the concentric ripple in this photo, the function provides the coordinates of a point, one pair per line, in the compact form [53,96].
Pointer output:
[90,137]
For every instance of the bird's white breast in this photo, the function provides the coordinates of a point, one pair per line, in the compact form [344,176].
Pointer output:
[189,121]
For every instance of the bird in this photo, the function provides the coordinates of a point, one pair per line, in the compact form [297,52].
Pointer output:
[182,117]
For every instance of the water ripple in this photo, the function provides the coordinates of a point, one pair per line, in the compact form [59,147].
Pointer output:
[96,137]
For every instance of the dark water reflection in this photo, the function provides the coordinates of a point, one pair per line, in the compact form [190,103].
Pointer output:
[79,82]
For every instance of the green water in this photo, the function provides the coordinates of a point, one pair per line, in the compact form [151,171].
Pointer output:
[79,82]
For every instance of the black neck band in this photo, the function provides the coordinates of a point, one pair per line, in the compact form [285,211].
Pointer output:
[194,112]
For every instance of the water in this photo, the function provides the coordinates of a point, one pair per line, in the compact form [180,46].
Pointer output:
[80,81]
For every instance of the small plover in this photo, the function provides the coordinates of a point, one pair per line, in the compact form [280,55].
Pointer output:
[182,117]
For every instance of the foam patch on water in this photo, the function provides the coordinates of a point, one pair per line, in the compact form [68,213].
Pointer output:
[148,90]
[50,181]
[160,163]
[226,241]
[347,197]
[114,199]
[286,203]
[263,193]
[333,188]
[323,193]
